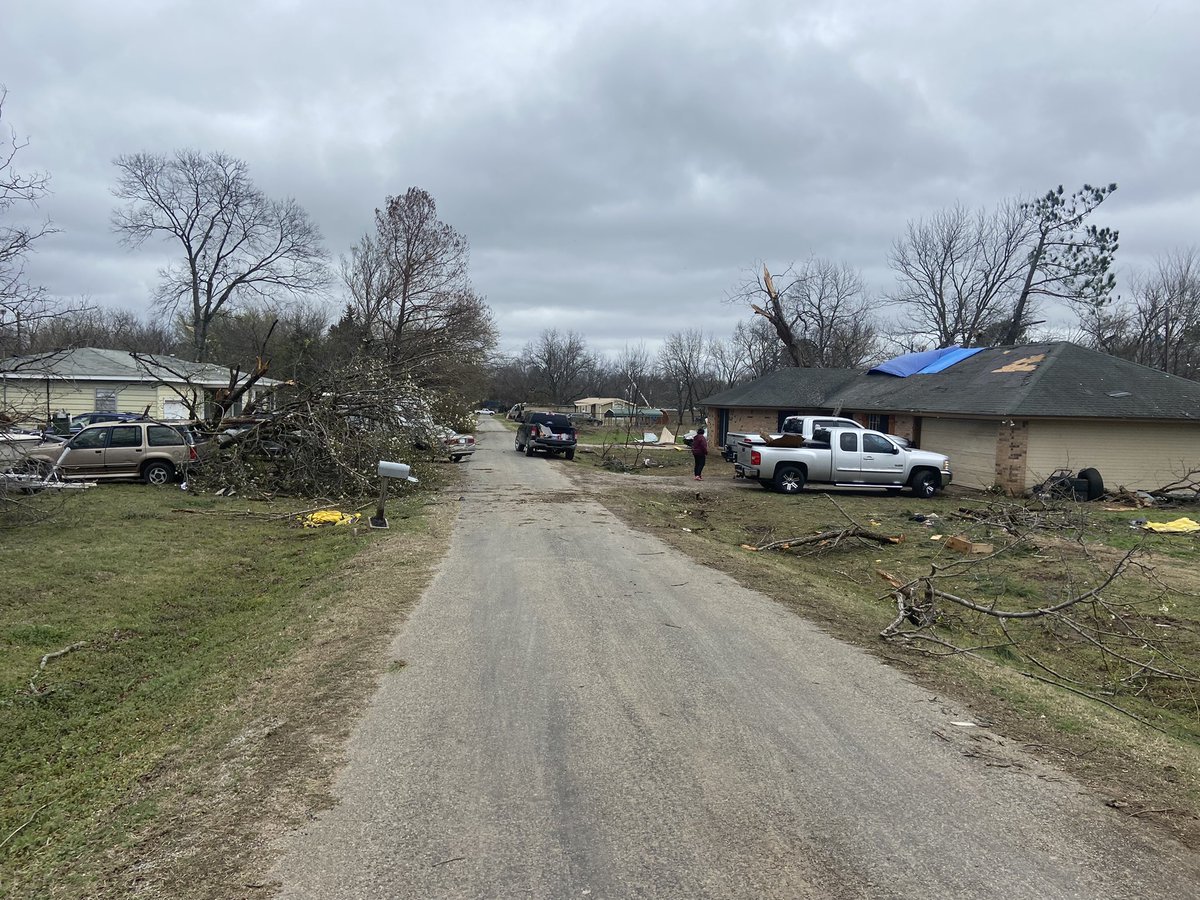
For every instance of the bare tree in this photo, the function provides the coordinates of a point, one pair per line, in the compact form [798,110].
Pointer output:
[1159,325]
[758,345]
[635,371]
[116,329]
[684,365]
[22,305]
[235,241]
[410,289]
[957,271]
[560,366]
[728,363]
[292,335]
[820,315]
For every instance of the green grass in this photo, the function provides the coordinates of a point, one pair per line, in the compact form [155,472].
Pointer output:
[180,604]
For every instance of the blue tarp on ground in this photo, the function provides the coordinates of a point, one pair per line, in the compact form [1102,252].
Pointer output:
[928,362]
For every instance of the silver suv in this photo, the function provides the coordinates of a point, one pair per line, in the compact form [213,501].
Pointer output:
[151,451]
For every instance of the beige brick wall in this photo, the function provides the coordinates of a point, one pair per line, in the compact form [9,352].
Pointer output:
[904,425]
[1012,456]
[1139,456]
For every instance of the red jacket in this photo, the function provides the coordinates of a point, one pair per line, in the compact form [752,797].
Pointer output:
[700,445]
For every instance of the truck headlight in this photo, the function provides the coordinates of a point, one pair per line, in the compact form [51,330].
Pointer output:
[946,465]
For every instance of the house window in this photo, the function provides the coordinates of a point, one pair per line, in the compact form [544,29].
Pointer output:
[877,423]
[106,400]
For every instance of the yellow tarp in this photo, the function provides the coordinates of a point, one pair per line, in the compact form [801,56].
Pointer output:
[329,517]
[1179,526]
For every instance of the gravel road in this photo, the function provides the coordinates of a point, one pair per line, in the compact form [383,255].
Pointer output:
[587,713]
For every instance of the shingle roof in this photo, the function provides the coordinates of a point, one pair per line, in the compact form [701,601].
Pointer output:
[1060,380]
[95,364]
[786,389]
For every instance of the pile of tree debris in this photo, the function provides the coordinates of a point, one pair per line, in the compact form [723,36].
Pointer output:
[324,440]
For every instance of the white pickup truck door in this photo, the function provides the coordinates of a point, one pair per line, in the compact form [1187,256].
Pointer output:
[882,461]
[847,460]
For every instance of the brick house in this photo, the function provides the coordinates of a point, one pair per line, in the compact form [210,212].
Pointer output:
[1007,417]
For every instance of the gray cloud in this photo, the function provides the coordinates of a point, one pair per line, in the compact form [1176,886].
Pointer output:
[617,168]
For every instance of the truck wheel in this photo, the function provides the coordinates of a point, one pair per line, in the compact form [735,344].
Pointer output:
[529,449]
[517,445]
[158,473]
[925,484]
[789,479]
[1095,484]
[570,454]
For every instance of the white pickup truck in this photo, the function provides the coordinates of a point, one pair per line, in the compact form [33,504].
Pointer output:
[849,457]
[801,425]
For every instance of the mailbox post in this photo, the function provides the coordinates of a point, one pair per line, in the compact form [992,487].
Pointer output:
[387,471]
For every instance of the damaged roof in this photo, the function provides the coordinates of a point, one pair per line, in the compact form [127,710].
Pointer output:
[1057,379]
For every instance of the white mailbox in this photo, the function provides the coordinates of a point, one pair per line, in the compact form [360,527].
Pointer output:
[396,470]
[387,470]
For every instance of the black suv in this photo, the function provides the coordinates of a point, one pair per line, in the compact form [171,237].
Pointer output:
[551,432]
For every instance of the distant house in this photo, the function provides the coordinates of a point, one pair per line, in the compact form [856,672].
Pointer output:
[1007,417]
[640,415]
[596,407]
[36,388]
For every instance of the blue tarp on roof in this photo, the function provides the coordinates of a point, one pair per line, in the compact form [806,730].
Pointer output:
[928,362]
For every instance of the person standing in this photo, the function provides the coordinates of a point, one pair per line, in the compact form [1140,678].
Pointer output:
[699,453]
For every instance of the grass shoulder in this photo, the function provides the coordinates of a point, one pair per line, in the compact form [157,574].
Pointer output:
[173,668]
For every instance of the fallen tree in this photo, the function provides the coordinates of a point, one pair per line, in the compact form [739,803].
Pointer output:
[321,440]
[1111,642]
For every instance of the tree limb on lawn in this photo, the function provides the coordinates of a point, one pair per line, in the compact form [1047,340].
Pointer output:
[33,688]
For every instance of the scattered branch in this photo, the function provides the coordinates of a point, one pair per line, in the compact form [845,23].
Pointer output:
[33,688]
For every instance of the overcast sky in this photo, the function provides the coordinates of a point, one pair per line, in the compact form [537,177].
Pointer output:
[617,167]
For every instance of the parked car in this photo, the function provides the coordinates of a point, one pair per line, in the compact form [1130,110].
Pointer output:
[83,420]
[548,432]
[457,446]
[145,449]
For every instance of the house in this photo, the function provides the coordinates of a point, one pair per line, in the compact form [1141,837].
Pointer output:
[37,388]
[638,415]
[1007,417]
[596,407]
